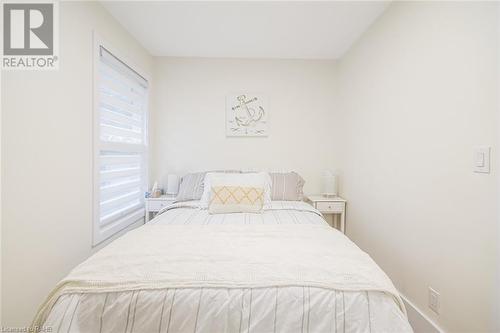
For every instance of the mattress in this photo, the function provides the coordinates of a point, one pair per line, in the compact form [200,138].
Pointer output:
[265,307]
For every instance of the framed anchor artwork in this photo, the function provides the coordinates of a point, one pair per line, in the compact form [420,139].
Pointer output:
[246,115]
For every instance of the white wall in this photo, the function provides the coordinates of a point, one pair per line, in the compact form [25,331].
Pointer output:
[47,161]
[496,305]
[1,223]
[189,116]
[418,91]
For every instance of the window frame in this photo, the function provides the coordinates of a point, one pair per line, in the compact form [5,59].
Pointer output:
[100,234]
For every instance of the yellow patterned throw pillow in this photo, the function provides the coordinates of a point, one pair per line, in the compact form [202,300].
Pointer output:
[236,199]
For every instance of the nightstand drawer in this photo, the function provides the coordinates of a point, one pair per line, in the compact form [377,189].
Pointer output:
[330,207]
[156,205]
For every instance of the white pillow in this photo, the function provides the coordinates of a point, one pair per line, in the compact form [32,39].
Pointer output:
[257,179]
[236,199]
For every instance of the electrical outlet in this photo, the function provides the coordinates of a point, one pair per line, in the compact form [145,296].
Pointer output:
[434,302]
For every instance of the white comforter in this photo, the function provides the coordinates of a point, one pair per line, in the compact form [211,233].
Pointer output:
[187,271]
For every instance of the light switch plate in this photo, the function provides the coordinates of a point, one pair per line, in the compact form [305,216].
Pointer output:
[434,300]
[481,159]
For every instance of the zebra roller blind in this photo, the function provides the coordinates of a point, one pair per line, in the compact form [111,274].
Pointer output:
[121,145]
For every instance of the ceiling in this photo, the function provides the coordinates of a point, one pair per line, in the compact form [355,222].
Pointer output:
[258,29]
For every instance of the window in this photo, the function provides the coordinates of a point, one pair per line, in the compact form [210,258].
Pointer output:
[120,144]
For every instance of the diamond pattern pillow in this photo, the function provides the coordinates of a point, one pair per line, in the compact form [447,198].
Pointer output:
[236,199]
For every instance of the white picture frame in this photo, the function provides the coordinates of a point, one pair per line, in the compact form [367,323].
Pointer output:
[246,115]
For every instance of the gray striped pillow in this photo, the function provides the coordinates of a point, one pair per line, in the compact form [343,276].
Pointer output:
[287,186]
[191,186]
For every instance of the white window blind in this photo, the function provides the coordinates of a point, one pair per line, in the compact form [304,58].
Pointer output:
[120,145]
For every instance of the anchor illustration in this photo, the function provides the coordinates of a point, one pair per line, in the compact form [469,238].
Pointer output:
[247,115]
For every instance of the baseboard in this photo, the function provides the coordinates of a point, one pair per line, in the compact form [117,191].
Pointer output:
[419,320]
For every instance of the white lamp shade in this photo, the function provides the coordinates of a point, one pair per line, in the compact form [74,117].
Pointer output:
[329,184]
[172,184]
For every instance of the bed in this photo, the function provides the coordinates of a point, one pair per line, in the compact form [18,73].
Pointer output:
[284,270]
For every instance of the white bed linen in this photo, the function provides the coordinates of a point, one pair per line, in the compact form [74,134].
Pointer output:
[310,304]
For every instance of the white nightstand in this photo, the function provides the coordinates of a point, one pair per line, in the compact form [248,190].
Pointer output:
[154,205]
[333,205]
